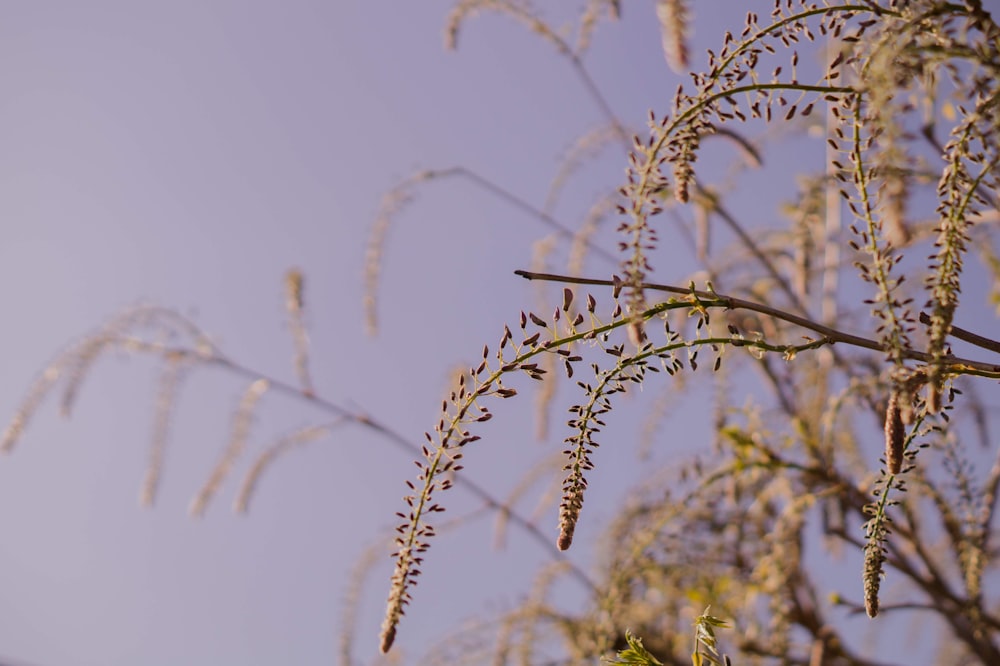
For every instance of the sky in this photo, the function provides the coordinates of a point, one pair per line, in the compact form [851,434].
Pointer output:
[188,154]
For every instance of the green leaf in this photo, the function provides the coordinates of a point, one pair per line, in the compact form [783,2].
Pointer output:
[635,654]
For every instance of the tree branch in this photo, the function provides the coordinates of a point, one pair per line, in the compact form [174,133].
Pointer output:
[957,364]
[214,357]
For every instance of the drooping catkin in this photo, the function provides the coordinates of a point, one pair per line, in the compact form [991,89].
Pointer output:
[933,399]
[237,442]
[295,306]
[166,397]
[350,607]
[588,22]
[521,12]
[39,389]
[893,199]
[894,435]
[569,510]
[566,529]
[673,16]
[264,460]
[874,558]
[388,635]
[77,368]
[392,203]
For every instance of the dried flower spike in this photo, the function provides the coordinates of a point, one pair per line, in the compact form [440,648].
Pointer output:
[294,306]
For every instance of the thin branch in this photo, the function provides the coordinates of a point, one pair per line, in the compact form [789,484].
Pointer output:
[831,335]
[516,201]
[966,336]
[279,386]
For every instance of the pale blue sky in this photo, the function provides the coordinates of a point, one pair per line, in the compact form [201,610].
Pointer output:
[189,153]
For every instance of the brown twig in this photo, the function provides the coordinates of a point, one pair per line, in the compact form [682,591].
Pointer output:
[832,335]
[966,336]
